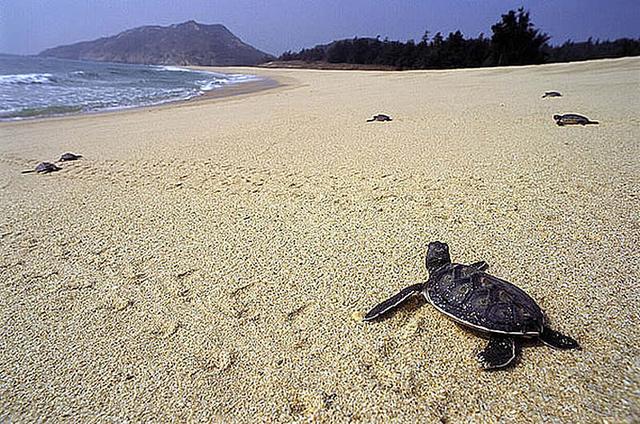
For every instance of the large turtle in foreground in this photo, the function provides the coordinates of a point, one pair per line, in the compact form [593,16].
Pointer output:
[485,304]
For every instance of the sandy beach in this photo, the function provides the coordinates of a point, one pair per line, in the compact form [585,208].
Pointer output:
[211,261]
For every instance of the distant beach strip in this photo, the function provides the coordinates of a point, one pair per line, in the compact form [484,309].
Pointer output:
[34,87]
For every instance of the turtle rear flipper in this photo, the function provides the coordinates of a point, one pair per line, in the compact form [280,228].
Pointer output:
[557,340]
[393,302]
[480,265]
[499,353]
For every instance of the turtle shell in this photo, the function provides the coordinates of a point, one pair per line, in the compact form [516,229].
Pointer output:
[69,156]
[484,302]
[46,167]
[572,118]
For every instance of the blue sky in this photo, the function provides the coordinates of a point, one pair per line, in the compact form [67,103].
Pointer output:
[29,26]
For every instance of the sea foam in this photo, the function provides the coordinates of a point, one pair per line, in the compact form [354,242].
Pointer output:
[34,87]
[27,79]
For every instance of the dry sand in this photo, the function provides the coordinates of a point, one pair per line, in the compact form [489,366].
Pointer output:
[209,261]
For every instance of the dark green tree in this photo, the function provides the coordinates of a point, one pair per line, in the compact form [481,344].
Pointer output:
[339,52]
[515,41]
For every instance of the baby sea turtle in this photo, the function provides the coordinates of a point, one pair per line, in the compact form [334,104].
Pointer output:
[573,119]
[380,117]
[485,304]
[69,156]
[551,94]
[43,168]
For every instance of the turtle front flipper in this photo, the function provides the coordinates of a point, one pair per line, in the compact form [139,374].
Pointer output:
[480,265]
[393,302]
[557,340]
[499,353]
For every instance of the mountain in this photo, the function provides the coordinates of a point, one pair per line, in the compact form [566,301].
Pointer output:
[188,43]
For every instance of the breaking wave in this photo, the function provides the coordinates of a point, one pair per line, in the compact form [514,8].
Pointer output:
[36,86]
[27,79]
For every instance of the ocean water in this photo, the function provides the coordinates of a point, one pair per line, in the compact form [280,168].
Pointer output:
[34,86]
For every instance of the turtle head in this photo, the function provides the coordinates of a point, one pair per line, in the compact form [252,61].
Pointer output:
[437,255]
[557,117]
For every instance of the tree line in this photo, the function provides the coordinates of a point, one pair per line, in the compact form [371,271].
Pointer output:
[515,41]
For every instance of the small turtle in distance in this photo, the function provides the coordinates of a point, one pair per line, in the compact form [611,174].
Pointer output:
[43,168]
[380,118]
[573,119]
[487,305]
[68,157]
[551,94]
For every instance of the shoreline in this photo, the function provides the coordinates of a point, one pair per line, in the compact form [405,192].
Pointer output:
[272,78]
[228,90]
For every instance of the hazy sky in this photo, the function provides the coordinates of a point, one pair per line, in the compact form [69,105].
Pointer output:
[29,26]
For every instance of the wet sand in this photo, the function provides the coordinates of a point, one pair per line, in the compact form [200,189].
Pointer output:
[211,261]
